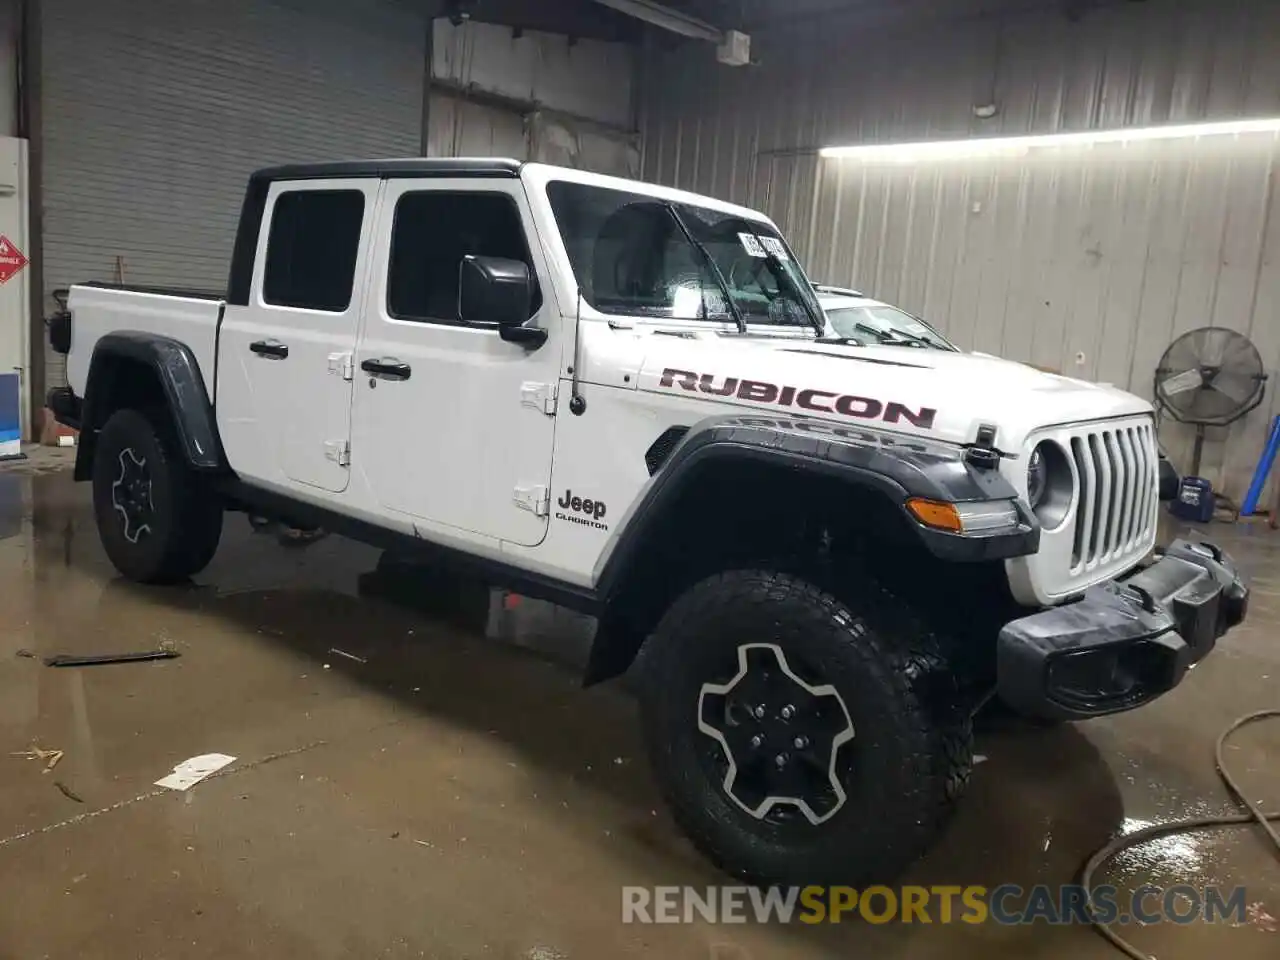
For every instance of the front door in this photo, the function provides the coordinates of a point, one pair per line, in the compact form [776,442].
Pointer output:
[285,360]
[453,425]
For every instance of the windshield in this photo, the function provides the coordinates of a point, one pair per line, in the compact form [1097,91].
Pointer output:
[882,324]
[631,257]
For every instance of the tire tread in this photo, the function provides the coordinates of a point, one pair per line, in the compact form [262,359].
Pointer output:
[885,644]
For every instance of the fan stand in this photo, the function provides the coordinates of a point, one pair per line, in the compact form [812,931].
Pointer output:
[1208,373]
[1197,450]
[1223,503]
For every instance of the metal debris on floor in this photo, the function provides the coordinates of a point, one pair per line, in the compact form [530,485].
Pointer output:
[91,660]
[50,757]
[349,656]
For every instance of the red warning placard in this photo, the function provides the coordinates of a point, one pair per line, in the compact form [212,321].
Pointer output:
[11,260]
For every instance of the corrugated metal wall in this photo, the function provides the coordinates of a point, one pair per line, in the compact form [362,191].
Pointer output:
[458,127]
[1086,260]
[532,95]
[587,78]
[155,113]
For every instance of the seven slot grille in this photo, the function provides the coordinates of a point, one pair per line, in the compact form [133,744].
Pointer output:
[1116,470]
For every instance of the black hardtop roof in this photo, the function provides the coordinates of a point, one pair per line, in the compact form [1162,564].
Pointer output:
[398,167]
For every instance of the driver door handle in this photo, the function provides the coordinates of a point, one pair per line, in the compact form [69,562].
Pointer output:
[271,349]
[387,368]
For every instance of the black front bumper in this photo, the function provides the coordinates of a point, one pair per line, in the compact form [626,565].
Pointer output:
[1125,642]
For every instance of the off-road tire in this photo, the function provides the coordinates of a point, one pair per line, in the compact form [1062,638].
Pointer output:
[912,743]
[184,523]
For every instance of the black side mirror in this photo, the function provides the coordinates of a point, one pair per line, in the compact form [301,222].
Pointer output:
[497,290]
[1169,479]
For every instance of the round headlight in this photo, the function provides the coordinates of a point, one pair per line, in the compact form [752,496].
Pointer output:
[1037,478]
[1050,485]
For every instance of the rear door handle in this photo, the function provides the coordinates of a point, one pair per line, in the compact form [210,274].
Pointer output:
[271,349]
[387,368]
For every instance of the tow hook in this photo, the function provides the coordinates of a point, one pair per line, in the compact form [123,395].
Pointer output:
[1142,596]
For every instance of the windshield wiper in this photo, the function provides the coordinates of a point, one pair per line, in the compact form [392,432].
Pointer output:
[710,262]
[901,337]
[892,337]
[784,277]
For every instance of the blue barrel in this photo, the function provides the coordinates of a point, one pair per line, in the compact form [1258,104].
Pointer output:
[1194,501]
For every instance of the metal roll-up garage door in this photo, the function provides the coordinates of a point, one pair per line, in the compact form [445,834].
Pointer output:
[154,112]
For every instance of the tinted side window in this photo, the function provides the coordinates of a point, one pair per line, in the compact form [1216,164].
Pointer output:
[431,233]
[312,248]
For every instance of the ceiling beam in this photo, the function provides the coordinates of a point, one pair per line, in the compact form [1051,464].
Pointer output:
[666,18]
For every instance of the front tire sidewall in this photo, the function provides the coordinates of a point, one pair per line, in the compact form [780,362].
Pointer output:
[151,559]
[894,790]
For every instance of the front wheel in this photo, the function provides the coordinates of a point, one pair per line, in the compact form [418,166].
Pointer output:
[158,521]
[798,741]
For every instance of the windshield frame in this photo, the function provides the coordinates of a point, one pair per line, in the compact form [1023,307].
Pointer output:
[707,210]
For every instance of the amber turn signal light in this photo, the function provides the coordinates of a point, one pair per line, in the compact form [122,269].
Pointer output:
[932,513]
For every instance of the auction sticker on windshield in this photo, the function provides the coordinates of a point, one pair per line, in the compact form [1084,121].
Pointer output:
[751,244]
[775,246]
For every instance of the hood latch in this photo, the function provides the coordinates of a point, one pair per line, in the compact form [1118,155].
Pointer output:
[982,453]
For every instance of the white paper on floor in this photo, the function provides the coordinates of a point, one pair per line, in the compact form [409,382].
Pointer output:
[190,772]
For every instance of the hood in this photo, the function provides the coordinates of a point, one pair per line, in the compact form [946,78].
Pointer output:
[930,393]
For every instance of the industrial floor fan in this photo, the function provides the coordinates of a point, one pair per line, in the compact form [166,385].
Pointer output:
[1208,377]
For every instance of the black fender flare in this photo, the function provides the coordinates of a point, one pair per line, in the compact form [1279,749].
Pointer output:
[180,380]
[894,464]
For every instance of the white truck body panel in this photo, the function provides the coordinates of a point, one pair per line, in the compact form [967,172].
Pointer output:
[280,418]
[102,310]
[476,449]
[480,466]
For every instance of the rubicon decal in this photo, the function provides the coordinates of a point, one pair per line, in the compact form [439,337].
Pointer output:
[582,510]
[817,401]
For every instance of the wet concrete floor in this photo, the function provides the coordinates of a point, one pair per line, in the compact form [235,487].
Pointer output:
[435,793]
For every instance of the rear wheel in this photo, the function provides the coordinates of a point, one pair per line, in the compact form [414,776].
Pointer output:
[799,741]
[158,520]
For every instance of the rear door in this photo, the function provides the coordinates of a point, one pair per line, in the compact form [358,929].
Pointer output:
[285,359]
[453,425]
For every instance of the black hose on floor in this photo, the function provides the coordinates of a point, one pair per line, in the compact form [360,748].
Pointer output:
[1119,844]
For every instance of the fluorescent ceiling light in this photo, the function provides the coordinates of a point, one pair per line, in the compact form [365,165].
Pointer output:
[1020,146]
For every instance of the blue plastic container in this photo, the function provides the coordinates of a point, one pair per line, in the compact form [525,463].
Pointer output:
[1194,501]
[10,434]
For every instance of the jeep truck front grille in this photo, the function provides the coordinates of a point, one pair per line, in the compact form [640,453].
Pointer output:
[1116,485]
[1111,524]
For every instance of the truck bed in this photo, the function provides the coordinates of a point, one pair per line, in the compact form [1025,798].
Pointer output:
[189,316]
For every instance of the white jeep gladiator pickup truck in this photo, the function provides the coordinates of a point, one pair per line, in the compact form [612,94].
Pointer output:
[624,399]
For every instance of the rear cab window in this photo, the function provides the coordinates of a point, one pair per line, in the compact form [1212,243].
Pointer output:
[312,249]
